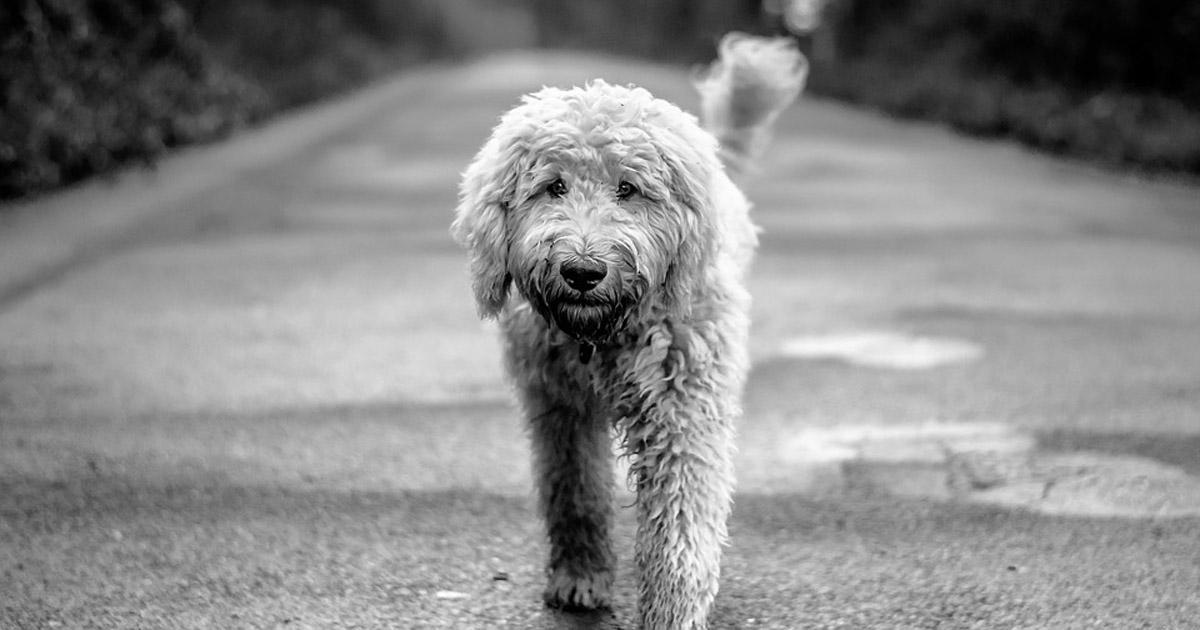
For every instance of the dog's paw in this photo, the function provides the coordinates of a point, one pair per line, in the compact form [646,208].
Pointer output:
[578,592]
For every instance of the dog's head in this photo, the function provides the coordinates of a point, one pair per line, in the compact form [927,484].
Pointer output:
[595,202]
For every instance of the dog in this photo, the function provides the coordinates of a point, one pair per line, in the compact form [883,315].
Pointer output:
[607,237]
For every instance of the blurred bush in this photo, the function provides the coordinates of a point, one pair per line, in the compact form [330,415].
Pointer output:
[91,84]
[301,50]
[1107,79]
[672,30]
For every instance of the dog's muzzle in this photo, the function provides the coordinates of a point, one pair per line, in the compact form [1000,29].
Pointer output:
[586,322]
[587,299]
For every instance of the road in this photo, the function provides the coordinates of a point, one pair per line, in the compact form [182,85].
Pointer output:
[249,390]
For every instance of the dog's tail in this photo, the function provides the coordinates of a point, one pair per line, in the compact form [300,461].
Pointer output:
[744,91]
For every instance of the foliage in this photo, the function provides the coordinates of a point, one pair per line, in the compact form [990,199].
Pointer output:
[301,50]
[91,84]
[1107,79]
[675,30]
[94,84]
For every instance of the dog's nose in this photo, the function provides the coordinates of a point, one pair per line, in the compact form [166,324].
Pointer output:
[583,275]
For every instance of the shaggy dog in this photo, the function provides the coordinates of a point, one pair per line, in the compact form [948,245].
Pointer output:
[612,215]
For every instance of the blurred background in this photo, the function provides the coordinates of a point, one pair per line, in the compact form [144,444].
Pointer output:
[247,388]
[93,84]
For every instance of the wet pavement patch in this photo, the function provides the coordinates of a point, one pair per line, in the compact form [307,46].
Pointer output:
[990,463]
[881,349]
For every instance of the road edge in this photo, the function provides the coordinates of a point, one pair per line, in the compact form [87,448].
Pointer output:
[43,238]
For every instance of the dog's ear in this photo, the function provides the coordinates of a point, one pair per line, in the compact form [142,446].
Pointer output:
[487,190]
[693,166]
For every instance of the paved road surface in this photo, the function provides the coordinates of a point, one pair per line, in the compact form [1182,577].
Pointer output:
[249,391]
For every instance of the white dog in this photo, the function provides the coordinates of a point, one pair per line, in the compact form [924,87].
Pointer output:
[612,215]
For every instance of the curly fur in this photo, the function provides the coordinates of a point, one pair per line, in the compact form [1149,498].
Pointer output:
[657,348]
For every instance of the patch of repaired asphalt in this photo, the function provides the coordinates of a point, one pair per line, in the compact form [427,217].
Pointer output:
[988,463]
[882,349]
[976,462]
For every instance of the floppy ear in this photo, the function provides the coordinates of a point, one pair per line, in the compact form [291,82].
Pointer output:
[690,155]
[487,190]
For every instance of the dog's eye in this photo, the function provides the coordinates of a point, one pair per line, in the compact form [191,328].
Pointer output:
[557,188]
[625,189]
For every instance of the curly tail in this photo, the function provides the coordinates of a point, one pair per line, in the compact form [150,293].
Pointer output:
[744,91]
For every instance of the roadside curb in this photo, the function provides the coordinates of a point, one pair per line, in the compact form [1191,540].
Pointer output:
[43,238]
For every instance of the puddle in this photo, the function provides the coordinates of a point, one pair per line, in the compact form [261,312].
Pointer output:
[882,350]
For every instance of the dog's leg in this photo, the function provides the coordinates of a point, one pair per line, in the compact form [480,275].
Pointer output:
[684,499]
[683,466]
[680,437]
[573,468]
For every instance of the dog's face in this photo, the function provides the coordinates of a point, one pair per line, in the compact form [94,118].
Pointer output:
[593,202]
[581,251]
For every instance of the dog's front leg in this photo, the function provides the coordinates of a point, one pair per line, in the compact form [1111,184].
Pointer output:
[573,468]
[682,462]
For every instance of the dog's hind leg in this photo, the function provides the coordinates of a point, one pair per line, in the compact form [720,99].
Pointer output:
[574,474]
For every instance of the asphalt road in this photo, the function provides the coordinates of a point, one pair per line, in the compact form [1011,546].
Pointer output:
[249,390]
